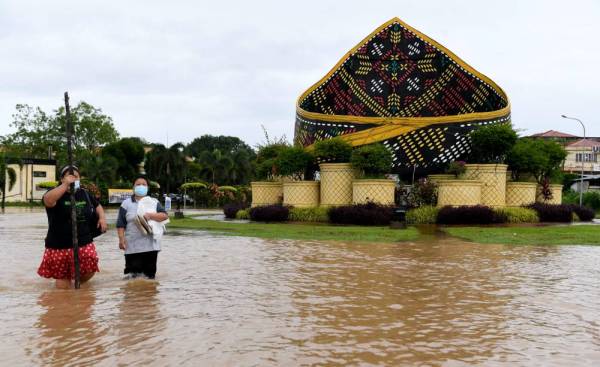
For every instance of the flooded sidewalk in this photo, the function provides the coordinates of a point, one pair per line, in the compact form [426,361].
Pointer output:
[233,301]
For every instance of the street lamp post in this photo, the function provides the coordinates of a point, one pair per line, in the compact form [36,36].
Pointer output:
[582,158]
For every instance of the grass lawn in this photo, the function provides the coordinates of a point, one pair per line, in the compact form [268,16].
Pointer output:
[537,235]
[300,231]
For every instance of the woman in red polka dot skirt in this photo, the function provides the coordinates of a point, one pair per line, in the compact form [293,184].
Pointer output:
[58,262]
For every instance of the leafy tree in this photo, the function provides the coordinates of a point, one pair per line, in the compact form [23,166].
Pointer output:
[8,178]
[99,169]
[166,165]
[216,166]
[491,144]
[540,158]
[373,160]
[225,144]
[334,150]
[294,161]
[37,132]
[128,153]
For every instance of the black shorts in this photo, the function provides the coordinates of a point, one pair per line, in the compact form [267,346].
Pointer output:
[141,263]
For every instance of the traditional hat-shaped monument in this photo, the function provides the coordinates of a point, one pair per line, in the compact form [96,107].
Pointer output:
[400,88]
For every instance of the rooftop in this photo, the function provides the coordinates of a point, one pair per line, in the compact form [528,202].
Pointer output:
[584,143]
[553,134]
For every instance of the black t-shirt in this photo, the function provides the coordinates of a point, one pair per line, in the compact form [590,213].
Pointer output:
[59,220]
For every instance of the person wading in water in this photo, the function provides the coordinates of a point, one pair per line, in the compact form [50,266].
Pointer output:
[140,244]
[58,262]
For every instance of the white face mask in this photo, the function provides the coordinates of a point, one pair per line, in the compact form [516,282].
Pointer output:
[77,184]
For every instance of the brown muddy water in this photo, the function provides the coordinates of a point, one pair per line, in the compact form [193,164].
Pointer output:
[229,301]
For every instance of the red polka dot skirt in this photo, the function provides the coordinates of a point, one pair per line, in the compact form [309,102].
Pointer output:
[59,263]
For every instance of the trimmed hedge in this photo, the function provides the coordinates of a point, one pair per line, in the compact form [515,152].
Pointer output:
[516,215]
[231,209]
[553,212]
[477,214]
[425,214]
[583,213]
[369,214]
[269,213]
[316,214]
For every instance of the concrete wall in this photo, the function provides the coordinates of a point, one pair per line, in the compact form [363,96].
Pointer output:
[28,177]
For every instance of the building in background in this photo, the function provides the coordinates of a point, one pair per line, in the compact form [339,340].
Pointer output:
[30,173]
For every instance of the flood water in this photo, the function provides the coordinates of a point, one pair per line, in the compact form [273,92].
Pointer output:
[228,301]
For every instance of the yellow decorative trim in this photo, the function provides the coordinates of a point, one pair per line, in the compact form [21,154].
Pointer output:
[401,124]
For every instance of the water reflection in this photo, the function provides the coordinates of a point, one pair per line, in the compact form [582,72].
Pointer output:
[250,302]
[140,323]
[68,333]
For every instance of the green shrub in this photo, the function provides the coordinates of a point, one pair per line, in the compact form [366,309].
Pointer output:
[591,199]
[227,188]
[423,192]
[194,186]
[425,214]
[317,214]
[243,214]
[294,161]
[491,143]
[266,160]
[516,215]
[372,160]
[48,184]
[333,150]
[540,158]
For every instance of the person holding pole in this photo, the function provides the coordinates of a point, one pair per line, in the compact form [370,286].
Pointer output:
[58,259]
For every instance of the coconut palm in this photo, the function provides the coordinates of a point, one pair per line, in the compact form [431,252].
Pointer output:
[215,165]
[166,165]
[8,178]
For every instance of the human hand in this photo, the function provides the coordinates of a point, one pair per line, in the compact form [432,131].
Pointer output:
[102,225]
[69,179]
[122,244]
[148,216]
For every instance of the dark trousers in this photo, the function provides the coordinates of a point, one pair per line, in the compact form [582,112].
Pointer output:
[141,263]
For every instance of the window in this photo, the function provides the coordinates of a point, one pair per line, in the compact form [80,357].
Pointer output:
[39,173]
[586,157]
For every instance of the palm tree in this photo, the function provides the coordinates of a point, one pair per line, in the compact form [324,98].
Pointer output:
[97,168]
[166,165]
[216,165]
[8,178]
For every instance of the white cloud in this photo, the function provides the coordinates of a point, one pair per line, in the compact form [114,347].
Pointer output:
[191,68]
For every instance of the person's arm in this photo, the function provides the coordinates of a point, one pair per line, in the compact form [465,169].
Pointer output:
[121,225]
[52,196]
[101,218]
[159,216]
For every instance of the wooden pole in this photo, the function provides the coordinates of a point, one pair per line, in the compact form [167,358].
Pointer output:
[69,132]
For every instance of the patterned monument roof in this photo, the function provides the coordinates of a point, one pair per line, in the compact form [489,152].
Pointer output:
[393,83]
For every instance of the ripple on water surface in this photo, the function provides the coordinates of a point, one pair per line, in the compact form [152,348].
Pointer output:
[239,301]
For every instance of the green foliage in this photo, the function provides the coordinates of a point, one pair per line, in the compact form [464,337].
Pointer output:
[38,131]
[243,214]
[228,188]
[192,186]
[225,144]
[48,184]
[423,192]
[540,158]
[591,199]
[267,161]
[456,168]
[126,154]
[166,165]
[317,214]
[491,144]
[216,166]
[516,215]
[8,177]
[373,160]
[98,168]
[294,161]
[425,214]
[333,150]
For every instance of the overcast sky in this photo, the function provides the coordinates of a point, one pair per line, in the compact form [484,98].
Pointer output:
[187,68]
